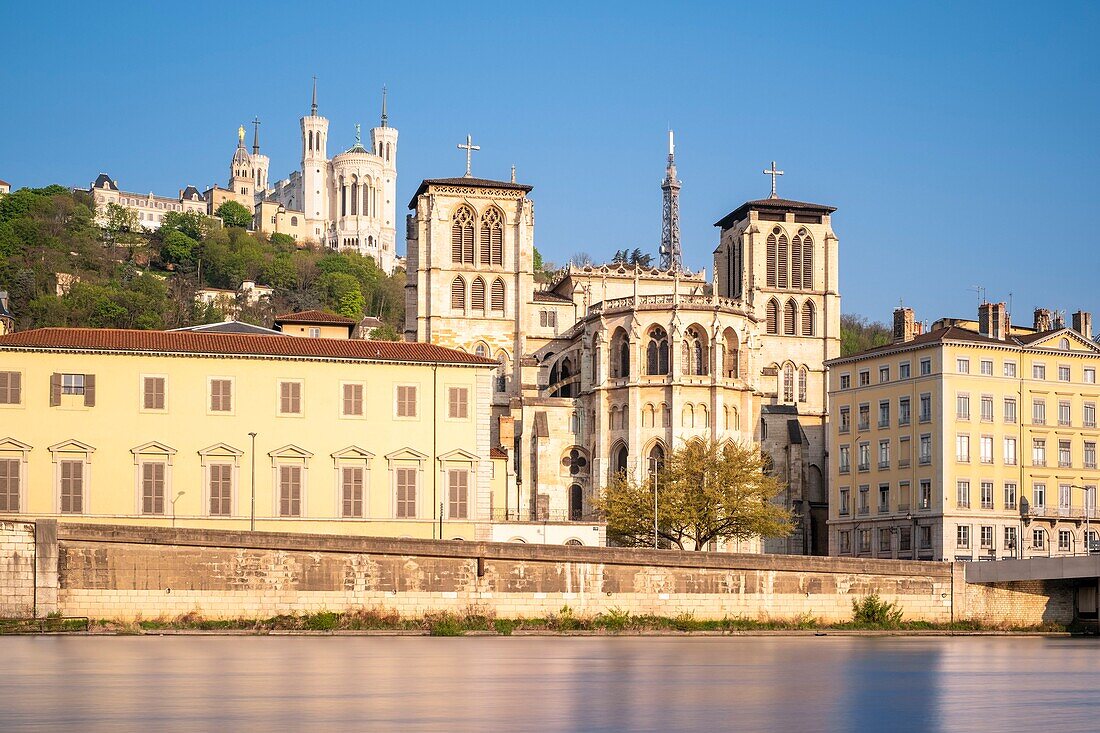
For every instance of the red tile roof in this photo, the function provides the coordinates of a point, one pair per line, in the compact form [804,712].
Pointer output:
[548,296]
[235,344]
[315,317]
[496,452]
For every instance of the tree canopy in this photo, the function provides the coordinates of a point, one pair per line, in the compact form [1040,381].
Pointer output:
[706,491]
[234,214]
[859,334]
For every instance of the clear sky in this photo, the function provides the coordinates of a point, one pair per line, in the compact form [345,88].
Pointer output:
[958,140]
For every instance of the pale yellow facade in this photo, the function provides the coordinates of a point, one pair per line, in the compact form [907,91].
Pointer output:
[960,445]
[342,444]
[274,218]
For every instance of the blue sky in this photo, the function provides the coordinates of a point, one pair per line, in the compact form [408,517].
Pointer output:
[958,140]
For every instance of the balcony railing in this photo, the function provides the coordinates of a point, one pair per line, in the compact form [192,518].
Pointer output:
[528,515]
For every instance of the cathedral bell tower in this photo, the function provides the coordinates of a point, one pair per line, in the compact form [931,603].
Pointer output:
[384,145]
[314,164]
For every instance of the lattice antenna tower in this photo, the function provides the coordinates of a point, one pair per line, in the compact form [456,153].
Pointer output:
[671,255]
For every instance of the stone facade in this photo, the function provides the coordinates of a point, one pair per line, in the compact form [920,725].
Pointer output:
[16,569]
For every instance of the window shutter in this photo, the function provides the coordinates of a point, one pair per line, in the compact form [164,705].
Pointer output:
[497,296]
[477,295]
[55,389]
[498,246]
[796,262]
[772,257]
[808,318]
[89,390]
[486,242]
[808,263]
[783,261]
[458,294]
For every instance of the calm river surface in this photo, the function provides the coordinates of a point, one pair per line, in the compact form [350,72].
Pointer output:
[803,684]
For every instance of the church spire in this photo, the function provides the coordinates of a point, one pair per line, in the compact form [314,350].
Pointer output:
[385,118]
[671,256]
[313,107]
[255,135]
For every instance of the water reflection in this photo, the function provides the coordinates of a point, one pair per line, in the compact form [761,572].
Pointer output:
[547,684]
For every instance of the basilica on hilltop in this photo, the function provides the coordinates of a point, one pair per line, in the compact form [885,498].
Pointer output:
[609,368]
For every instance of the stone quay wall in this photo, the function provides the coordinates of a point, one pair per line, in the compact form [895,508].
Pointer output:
[125,572]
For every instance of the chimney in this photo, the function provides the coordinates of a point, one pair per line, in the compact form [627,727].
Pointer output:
[1042,319]
[904,329]
[1082,324]
[993,320]
[1059,320]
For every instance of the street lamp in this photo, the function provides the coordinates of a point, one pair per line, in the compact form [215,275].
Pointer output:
[1088,494]
[653,470]
[174,500]
[252,512]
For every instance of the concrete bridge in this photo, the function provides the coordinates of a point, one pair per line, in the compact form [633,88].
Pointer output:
[1082,573]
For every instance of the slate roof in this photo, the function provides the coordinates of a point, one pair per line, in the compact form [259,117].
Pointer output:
[104,178]
[315,317]
[547,296]
[779,205]
[189,192]
[469,182]
[235,344]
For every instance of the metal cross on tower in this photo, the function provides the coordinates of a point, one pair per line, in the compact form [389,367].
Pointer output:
[671,256]
[256,135]
[469,147]
[773,173]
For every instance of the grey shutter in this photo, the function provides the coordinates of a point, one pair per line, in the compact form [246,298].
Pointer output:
[89,390]
[55,389]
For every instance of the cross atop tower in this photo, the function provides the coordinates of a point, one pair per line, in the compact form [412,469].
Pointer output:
[469,147]
[255,135]
[313,107]
[773,173]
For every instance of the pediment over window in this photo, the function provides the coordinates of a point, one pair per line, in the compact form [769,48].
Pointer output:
[1064,340]
[406,454]
[71,446]
[353,452]
[221,449]
[11,445]
[153,448]
[290,452]
[459,456]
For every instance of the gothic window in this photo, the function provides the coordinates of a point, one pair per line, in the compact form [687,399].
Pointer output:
[796,262]
[496,296]
[773,255]
[807,260]
[576,506]
[575,462]
[694,353]
[703,415]
[619,456]
[481,350]
[802,384]
[462,236]
[656,352]
[789,312]
[783,263]
[656,459]
[773,316]
[648,414]
[788,383]
[808,318]
[492,238]
[458,294]
[731,358]
[310,145]
[354,196]
[595,360]
[502,372]
[620,354]
[613,418]
[477,295]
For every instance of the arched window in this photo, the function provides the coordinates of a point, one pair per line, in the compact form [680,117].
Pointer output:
[477,296]
[666,416]
[594,360]
[788,383]
[687,417]
[732,419]
[773,316]
[354,195]
[783,264]
[576,506]
[310,147]
[648,415]
[619,456]
[808,318]
[655,462]
[462,236]
[492,238]
[1064,344]
[620,354]
[703,415]
[731,366]
[496,297]
[481,350]
[773,255]
[502,372]
[796,262]
[802,384]
[694,353]
[458,294]
[789,312]
[656,351]
[613,418]
[293,221]
[807,261]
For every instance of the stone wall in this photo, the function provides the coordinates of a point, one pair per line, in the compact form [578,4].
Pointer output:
[103,571]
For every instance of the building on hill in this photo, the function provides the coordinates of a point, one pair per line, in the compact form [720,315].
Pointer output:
[316,324]
[150,209]
[975,440]
[7,320]
[5,187]
[609,368]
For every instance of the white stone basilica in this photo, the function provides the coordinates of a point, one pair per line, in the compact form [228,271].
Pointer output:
[607,368]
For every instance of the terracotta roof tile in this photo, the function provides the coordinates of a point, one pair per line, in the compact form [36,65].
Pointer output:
[497,452]
[235,344]
[315,316]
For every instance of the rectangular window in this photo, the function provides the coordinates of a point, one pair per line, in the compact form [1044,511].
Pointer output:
[864,378]
[458,486]
[845,499]
[845,381]
[351,491]
[925,367]
[925,538]
[152,488]
[314,333]
[987,408]
[905,451]
[1010,410]
[903,411]
[926,407]
[1010,538]
[845,419]
[845,542]
[845,459]
[1063,374]
[986,448]
[962,406]
[903,370]
[864,502]
[220,476]
[1010,451]
[406,492]
[864,417]
[987,367]
[1039,495]
[72,384]
[1038,452]
[883,498]
[1064,540]
[883,374]
[290,398]
[1065,455]
[1038,539]
[962,366]
[11,388]
[884,540]
[352,400]
[1090,375]
[865,540]
[1090,454]
[864,456]
[925,456]
[962,448]
[1039,412]
[290,491]
[1038,371]
[1010,369]
[1010,496]
[905,539]
[9,484]
[406,401]
[925,494]
[962,494]
[987,494]
[221,395]
[72,486]
[884,414]
[1090,414]
[987,538]
[152,393]
[1064,412]
[962,537]
[1065,497]
[457,407]
[884,454]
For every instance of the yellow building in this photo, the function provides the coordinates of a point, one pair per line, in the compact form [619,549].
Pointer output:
[975,441]
[271,217]
[232,431]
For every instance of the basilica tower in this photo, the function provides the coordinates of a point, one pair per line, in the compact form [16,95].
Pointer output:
[384,144]
[314,167]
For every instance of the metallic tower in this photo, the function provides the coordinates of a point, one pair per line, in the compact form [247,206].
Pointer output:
[671,256]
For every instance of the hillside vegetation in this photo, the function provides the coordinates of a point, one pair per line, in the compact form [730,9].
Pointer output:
[121,277]
[859,334]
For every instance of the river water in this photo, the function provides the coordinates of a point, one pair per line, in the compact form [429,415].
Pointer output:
[360,683]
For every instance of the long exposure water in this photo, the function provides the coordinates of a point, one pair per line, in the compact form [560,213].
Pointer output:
[309,683]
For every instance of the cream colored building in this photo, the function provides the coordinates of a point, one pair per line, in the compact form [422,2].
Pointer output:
[975,441]
[206,429]
[609,368]
[150,209]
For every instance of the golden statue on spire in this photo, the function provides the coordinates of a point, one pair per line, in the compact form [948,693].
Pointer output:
[240,134]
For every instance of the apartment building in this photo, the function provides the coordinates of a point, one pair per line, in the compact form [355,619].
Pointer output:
[975,440]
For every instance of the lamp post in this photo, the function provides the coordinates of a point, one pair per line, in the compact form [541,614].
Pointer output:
[174,500]
[653,470]
[1088,495]
[252,511]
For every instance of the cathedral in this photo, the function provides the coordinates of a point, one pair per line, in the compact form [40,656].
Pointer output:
[609,368]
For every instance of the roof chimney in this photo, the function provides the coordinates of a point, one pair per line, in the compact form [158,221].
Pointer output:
[1059,320]
[993,320]
[1042,319]
[904,327]
[1082,324]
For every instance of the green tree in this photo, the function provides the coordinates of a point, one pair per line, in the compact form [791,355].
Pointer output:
[282,242]
[859,334]
[178,248]
[120,220]
[342,294]
[706,491]
[234,214]
[385,332]
[191,223]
